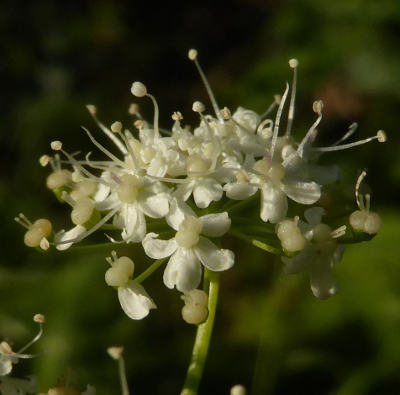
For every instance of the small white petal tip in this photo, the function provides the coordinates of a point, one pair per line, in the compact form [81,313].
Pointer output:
[138,89]
[56,145]
[192,54]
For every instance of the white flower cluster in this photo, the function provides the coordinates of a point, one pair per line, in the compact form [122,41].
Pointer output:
[178,191]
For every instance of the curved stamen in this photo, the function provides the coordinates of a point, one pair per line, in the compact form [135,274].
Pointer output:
[92,110]
[352,128]
[293,63]
[359,199]
[277,120]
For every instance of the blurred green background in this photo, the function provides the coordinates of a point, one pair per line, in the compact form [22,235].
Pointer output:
[271,334]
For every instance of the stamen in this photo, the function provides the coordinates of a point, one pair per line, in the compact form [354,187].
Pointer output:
[277,120]
[23,220]
[317,108]
[338,232]
[192,54]
[68,199]
[367,201]
[40,319]
[293,63]
[359,199]
[352,128]
[380,136]
[133,109]
[56,145]
[104,150]
[93,111]
[156,116]
[44,160]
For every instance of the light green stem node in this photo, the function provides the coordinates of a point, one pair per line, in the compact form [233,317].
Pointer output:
[203,337]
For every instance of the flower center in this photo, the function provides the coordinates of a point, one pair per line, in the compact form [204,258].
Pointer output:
[273,170]
[189,232]
[129,188]
[82,211]
[195,164]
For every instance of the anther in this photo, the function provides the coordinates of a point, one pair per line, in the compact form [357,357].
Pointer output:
[56,145]
[381,135]
[133,109]
[138,89]
[177,116]
[226,114]
[198,106]
[116,127]
[44,160]
[192,54]
[91,108]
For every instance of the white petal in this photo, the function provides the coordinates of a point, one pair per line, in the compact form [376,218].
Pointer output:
[183,191]
[135,301]
[158,249]
[322,281]
[302,192]
[212,257]
[239,190]
[111,202]
[273,204]
[134,228]
[156,206]
[178,210]
[158,167]
[215,225]
[70,234]
[101,193]
[205,191]
[183,270]
[314,215]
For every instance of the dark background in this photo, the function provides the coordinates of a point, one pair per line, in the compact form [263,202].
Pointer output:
[271,334]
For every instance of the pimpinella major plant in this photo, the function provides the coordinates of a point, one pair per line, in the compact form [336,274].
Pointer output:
[178,192]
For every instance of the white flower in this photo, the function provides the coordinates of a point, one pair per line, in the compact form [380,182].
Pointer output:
[188,249]
[319,255]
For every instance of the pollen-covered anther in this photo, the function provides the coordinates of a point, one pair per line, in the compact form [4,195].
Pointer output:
[44,160]
[381,135]
[139,124]
[56,145]
[289,234]
[198,106]
[138,89]
[189,231]
[177,116]
[195,310]
[39,318]
[238,389]
[318,105]
[241,176]
[293,63]
[192,54]
[116,127]
[91,108]
[82,211]
[115,352]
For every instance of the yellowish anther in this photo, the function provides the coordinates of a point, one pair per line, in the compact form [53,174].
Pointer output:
[115,352]
[116,127]
[198,106]
[177,116]
[56,145]
[238,390]
[129,188]
[5,348]
[92,109]
[293,63]
[133,109]
[276,172]
[39,318]
[138,89]
[226,114]
[192,54]
[318,105]
[381,136]
[44,160]
[277,99]
[241,176]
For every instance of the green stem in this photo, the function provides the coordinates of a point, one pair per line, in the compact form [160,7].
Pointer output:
[122,376]
[152,268]
[255,242]
[202,341]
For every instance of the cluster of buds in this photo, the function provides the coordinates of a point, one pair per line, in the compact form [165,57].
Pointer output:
[179,191]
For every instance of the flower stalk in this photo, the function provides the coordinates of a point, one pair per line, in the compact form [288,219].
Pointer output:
[203,338]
